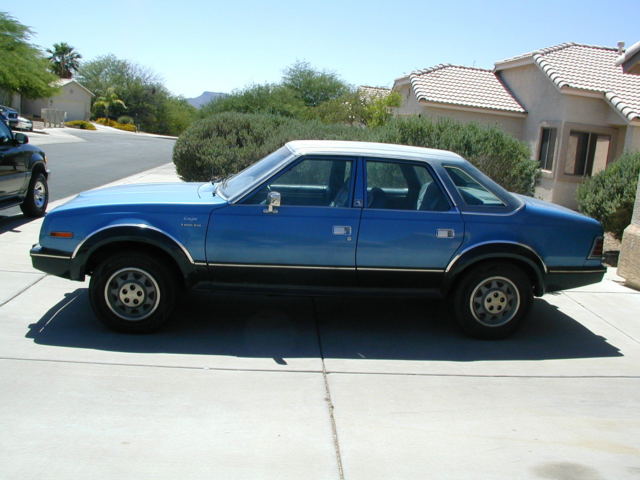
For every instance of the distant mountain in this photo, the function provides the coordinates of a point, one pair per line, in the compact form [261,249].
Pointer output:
[205,98]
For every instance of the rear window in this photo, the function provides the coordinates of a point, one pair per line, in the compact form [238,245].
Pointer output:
[471,191]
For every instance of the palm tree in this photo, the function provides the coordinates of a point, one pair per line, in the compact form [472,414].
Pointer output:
[109,100]
[64,59]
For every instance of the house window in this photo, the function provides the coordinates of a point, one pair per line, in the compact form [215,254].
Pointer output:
[547,148]
[587,153]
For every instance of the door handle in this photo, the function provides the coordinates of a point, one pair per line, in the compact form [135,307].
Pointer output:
[342,230]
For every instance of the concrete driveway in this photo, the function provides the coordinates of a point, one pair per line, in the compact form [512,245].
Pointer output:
[241,387]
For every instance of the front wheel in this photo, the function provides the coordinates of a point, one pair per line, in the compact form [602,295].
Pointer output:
[37,199]
[492,299]
[132,293]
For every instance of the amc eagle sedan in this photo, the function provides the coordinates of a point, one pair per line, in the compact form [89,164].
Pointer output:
[324,217]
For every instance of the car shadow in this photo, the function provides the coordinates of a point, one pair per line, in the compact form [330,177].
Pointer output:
[301,327]
[10,222]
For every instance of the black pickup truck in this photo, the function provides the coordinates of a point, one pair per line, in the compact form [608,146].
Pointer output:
[23,174]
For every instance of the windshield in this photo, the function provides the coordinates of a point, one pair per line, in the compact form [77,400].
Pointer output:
[253,174]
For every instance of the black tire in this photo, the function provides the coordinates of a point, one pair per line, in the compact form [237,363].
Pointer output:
[37,199]
[133,293]
[491,300]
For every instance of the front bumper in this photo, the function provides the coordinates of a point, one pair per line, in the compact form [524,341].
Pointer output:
[572,277]
[51,261]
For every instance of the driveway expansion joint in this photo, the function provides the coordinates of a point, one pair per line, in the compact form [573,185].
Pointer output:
[20,292]
[331,407]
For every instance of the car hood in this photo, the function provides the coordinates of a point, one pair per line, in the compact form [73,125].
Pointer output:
[146,194]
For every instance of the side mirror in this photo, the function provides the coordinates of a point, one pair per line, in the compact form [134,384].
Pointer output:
[273,201]
[20,138]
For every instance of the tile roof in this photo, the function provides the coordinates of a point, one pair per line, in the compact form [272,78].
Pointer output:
[465,86]
[373,93]
[590,68]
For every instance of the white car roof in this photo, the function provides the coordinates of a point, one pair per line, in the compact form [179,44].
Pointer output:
[387,150]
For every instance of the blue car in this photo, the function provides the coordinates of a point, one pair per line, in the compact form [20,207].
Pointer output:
[324,217]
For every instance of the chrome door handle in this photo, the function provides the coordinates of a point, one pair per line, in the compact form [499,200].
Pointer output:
[342,230]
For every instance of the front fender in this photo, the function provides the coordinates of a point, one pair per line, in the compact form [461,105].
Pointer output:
[138,234]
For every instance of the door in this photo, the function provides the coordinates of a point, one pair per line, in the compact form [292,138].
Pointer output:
[409,229]
[12,164]
[309,240]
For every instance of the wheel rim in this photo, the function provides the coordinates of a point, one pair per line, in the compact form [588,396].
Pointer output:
[39,194]
[494,301]
[132,294]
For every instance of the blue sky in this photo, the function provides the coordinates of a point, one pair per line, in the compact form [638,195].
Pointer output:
[198,45]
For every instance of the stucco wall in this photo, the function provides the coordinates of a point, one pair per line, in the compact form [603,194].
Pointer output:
[72,99]
[632,139]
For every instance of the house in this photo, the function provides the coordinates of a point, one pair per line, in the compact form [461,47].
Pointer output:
[571,103]
[72,98]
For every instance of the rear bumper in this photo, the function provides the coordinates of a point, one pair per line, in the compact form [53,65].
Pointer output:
[50,261]
[571,277]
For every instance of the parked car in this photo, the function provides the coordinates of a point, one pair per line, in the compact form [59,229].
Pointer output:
[23,174]
[9,115]
[24,124]
[324,217]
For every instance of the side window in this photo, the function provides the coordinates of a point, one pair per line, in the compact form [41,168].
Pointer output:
[311,182]
[402,186]
[471,191]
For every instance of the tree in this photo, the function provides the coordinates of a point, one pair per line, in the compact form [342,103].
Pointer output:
[108,101]
[148,102]
[23,68]
[64,59]
[312,86]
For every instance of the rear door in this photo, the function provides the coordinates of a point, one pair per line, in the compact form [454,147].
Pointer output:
[409,229]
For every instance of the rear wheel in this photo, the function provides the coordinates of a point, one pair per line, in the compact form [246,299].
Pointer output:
[132,293]
[37,199]
[492,299]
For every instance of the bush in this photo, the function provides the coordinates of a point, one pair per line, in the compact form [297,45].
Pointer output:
[501,156]
[125,119]
[609,195]
[107,122]
[228,142]
[81,124]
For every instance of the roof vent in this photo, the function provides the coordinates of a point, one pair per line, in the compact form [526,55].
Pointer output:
[620,48]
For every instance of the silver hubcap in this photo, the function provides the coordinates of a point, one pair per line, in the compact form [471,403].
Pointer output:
[39,194]
[494,301]
[132,294]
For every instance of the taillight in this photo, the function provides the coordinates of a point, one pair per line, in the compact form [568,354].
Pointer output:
[596,248]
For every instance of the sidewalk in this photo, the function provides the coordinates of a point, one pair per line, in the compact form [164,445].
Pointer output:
[284,388]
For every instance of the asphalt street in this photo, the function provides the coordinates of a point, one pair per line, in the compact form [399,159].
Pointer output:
[267,387]
[81,160]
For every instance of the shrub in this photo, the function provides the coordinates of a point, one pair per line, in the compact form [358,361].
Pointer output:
[228,142]
[107,122]
[81,124]
[501,156]
[125,119]
[609,195]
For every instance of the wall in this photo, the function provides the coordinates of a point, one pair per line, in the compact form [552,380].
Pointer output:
[72,99]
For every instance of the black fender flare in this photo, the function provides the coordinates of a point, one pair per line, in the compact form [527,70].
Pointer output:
[142,234]
[498,251]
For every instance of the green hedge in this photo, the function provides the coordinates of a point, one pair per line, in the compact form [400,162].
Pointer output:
[228,142]
[81,124]
[609,196]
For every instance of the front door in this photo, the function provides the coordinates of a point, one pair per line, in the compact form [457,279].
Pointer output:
[12,164]
[310,240]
